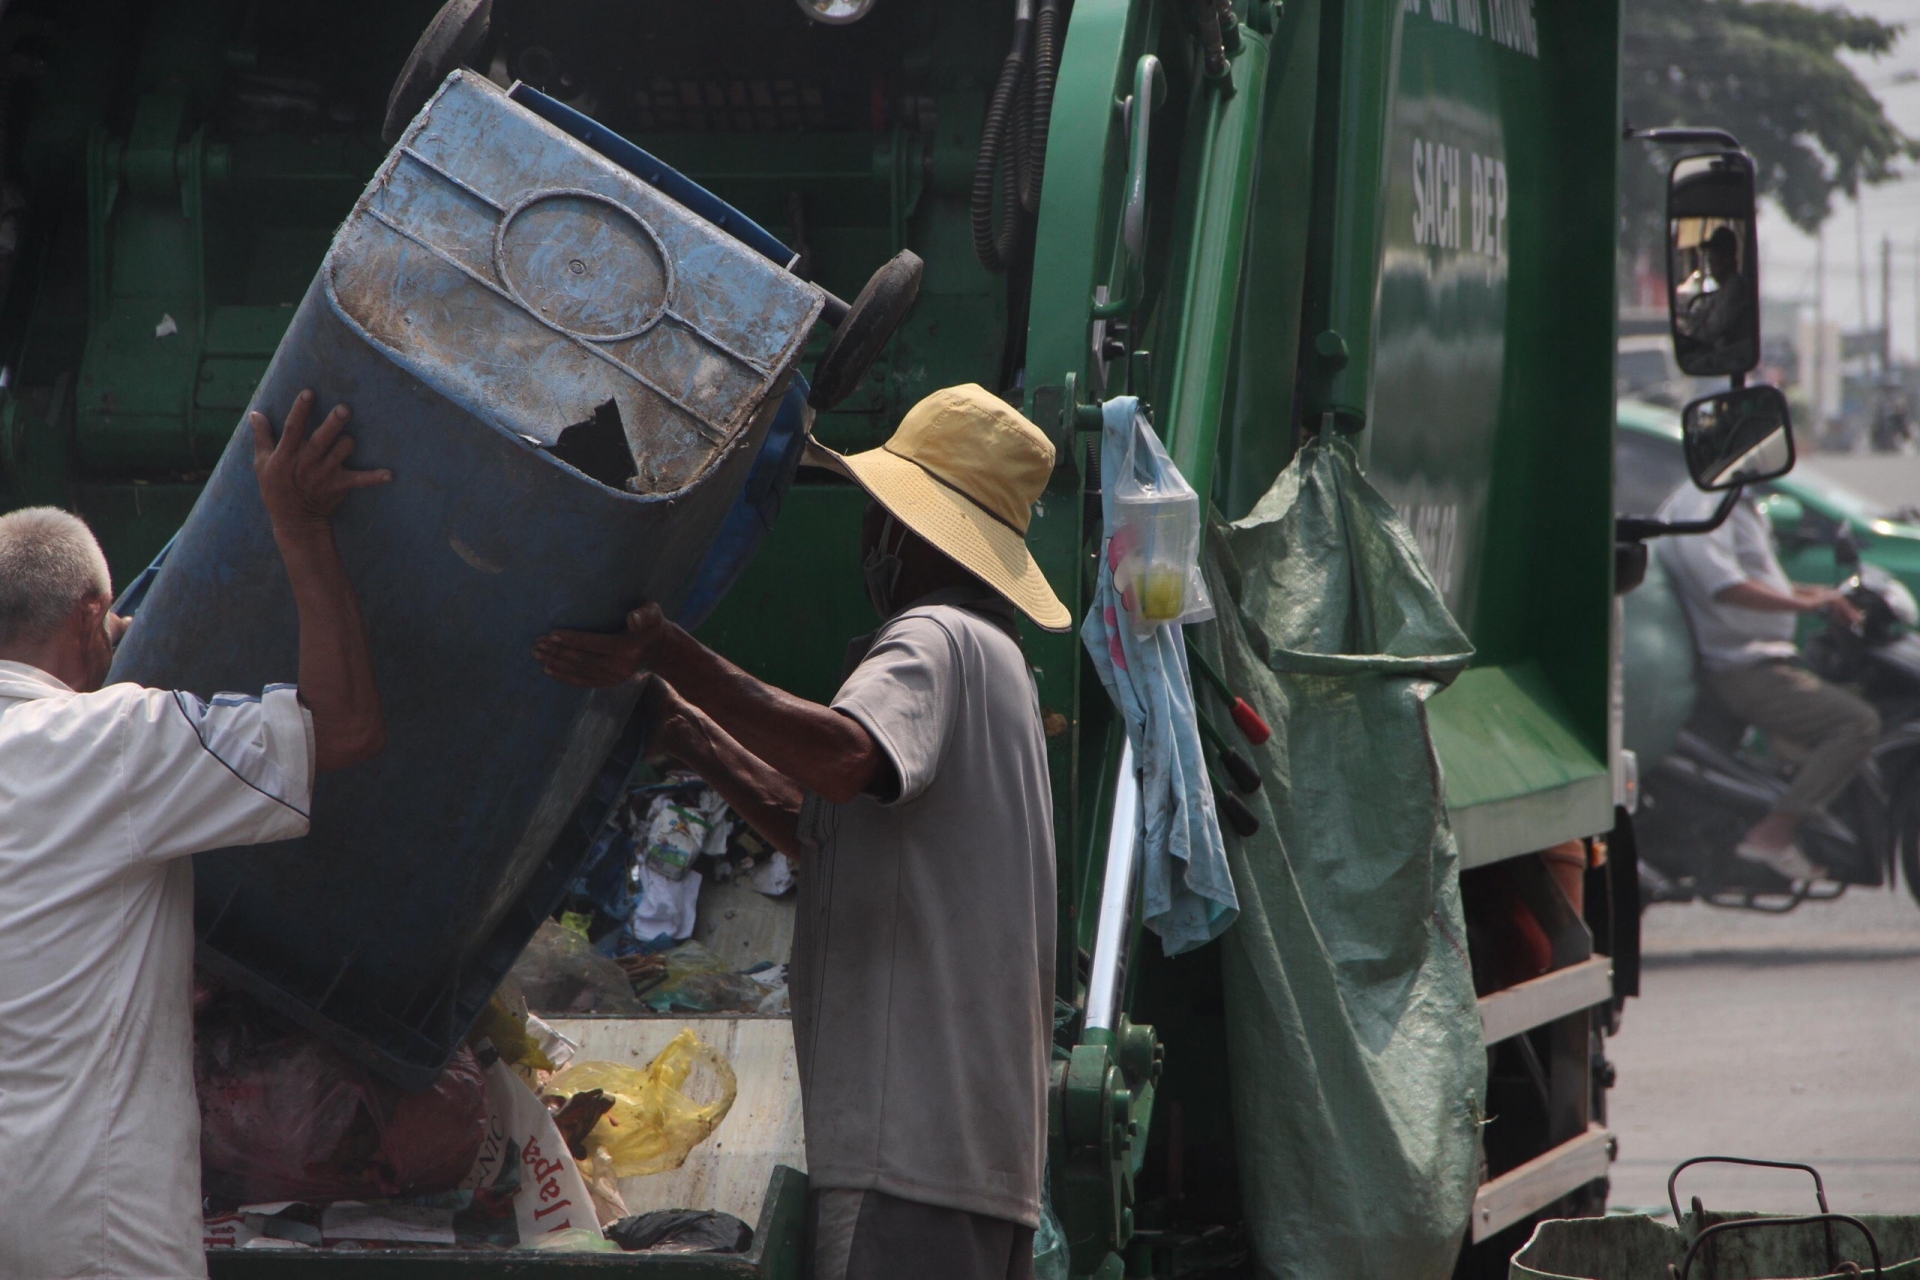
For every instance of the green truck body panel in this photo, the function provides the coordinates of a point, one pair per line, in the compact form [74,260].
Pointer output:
[1393,218]
[1492,361]
[1515,763]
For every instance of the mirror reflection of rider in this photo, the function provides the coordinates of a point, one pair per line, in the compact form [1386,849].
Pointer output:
[1743,608]
[1715,295]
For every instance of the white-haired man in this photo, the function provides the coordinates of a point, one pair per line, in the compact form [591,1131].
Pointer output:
[103,793]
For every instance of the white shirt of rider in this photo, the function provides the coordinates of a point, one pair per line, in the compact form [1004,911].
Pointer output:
[1702,565]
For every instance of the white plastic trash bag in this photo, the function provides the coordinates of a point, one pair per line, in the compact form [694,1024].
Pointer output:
[552,1196]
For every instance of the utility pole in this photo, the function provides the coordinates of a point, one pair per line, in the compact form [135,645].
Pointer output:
[1886,305]
[1860,263]
[1860,258]
[1819,331]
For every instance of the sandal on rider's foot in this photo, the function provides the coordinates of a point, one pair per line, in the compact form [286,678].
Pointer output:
[1789,862]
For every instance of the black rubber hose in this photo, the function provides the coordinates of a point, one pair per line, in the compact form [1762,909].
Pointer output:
[1009,217]
[1046,66]
[995,222]
[1019,169]
[1019,259]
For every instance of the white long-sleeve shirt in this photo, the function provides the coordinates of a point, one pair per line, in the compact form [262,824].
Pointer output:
[1702,565]
[102,796]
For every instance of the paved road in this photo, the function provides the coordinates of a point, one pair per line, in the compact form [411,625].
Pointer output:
[1793,1037]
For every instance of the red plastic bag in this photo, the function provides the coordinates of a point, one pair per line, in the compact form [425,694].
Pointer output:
[285,1117]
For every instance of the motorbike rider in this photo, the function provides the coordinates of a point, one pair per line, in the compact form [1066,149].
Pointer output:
[1714,296]
[1743,610]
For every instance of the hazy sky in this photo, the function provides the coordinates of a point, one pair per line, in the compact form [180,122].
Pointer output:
[1891,209]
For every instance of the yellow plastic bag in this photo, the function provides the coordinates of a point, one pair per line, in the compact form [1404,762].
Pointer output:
[659,1114]
[504,1025]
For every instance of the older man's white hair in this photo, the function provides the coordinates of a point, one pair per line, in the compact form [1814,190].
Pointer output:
[49,562]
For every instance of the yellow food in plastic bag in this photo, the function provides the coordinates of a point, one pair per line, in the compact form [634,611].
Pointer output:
[659,1114]
[1163,593]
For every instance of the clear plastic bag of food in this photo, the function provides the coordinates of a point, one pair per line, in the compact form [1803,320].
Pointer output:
[659,1114]
[561,973]
[694,980]
[1153,545]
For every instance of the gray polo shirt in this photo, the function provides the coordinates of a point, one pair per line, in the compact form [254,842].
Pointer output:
[922,975]
[1702,565]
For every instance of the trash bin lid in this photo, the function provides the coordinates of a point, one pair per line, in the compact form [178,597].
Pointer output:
[529,277]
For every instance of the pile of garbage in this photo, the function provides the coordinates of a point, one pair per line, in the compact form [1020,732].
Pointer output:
[624,942]
[516,1145]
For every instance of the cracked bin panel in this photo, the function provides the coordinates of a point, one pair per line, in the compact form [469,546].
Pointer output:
[588,284]
[566,441]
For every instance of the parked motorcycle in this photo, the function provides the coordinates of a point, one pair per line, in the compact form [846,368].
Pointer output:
[1722,776]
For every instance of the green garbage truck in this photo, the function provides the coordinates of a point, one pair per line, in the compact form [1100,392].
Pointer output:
[1387,223]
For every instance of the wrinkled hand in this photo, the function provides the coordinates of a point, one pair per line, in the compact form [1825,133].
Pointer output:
[592,660]
[303,479]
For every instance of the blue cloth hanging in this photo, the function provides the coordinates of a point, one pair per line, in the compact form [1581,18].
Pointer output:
[1186,887]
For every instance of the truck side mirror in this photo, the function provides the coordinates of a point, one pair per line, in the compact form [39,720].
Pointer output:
[1737,437]
[1713,264]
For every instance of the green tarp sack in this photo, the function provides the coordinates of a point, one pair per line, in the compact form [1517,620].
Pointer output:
[1636,1247]
[1353,1037]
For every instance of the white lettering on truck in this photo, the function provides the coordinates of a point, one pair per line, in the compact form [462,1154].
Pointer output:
[1436,199]
[1435,527]
[1508,23]
[1489,205]
[1436,194]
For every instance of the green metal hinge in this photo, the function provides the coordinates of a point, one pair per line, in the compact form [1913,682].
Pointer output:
[1100,1107]
[1072,416]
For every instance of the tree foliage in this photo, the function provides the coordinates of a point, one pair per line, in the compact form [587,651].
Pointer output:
[1768,72]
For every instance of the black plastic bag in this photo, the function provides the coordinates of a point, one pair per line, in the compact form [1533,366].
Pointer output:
[682,1231]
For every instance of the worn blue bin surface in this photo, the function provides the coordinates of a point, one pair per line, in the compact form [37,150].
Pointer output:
[497,285]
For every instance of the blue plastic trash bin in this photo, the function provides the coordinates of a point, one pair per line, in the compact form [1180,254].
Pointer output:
[570,376]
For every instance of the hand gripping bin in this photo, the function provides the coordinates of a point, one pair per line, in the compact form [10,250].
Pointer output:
[507,311]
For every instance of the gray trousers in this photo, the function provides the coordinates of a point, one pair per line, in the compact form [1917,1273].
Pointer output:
[1834,727]
[869,1235]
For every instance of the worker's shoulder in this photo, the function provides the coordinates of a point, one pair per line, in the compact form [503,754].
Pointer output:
[67,715]
[965,626]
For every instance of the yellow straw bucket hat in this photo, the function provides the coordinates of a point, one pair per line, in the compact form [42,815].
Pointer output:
[963,472]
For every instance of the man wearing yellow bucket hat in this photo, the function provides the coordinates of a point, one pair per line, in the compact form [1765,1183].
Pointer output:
[917,806]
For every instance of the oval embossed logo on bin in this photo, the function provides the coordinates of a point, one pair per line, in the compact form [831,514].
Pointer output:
[585,264]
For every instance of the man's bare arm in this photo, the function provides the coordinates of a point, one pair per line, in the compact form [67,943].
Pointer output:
[824,751]
[767,799]
[302,482]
